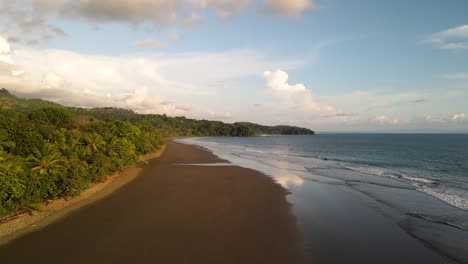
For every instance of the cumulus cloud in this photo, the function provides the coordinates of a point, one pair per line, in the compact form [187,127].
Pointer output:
[278,81]
[29,21]
[453,38]
[150,83]
[288,7]
[295,97]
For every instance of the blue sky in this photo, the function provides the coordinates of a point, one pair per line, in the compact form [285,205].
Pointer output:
[331,65]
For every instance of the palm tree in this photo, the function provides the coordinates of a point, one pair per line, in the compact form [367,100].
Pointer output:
[46,165]
[12,187]
[93,143]
[46,161]
[8,166]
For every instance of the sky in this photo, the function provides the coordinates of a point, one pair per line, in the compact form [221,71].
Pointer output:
[329,65]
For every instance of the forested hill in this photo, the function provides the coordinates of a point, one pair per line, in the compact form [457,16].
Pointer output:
[49,151]
[168,126]
[276,130]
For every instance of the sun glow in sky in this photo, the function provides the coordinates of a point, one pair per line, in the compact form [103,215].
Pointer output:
[330,65]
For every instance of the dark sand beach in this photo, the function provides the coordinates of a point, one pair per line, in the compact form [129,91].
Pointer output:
[174,213]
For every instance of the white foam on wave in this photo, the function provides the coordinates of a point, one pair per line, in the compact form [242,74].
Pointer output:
[371,170]
[267,161]
[456,200]
[418,179]
[255,150]
[431,187]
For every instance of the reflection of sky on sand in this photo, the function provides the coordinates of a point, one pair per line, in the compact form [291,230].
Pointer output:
[288,181]
[284,177]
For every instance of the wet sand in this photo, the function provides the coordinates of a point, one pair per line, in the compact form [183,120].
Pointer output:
[174,213]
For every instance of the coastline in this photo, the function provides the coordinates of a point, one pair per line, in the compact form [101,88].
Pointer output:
[54,210]
[336,215]
[216,214]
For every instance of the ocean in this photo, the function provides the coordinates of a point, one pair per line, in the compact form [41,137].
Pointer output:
[418,181]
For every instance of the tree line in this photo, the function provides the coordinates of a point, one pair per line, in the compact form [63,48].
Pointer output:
[49,151]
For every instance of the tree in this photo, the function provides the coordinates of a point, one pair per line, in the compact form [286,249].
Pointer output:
[5,143]
[75,179]
[51,115]
[93,143]
[46,164]
[26,138]
[12,187]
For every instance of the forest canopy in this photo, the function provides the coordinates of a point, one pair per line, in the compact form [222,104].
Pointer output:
[49,151]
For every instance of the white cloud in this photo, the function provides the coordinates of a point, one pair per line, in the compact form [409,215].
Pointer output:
[149,83]
[294,99]
[288,7]
[386,120]
[53,81]
[4,50]
[17,72]
[458,117]
[453,38]
[30,21]
[278,81]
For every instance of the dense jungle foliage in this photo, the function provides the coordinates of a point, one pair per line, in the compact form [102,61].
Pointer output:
[49,151]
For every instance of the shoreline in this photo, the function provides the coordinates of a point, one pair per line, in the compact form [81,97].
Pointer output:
[216,214]
[335,215]
[52,211]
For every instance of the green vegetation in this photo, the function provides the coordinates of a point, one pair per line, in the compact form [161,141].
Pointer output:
[276,130]
[49,151]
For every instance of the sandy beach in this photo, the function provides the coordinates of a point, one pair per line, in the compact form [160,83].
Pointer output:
[174,212]
[18,225]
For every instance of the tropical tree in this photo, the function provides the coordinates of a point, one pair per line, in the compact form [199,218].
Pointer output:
[51,115]
[5,143]
[122,152]
[76,178]
[93,143]
[12,187]
[46,165]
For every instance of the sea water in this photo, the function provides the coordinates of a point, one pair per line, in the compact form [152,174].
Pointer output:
[421,177]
